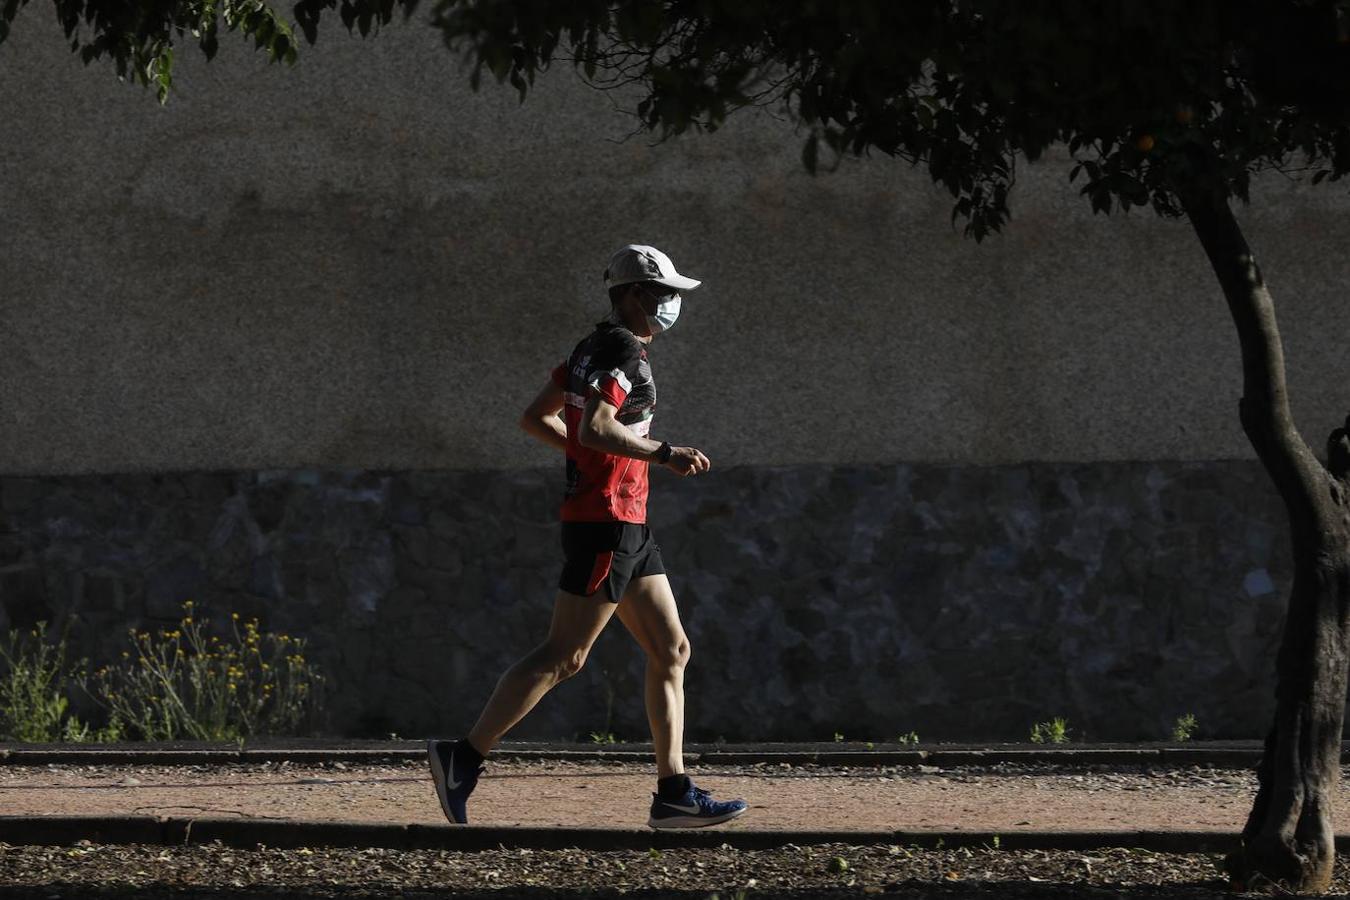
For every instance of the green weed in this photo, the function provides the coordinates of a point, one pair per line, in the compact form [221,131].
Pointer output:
[1056,731]
[1184,729]
[34,691]
[186,683]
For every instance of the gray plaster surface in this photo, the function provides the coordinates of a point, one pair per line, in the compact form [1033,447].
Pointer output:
[360,263]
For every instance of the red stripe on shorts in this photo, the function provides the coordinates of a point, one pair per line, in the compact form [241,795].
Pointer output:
[602,563]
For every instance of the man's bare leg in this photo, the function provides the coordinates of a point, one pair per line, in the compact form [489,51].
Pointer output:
[577,622]
[648,611]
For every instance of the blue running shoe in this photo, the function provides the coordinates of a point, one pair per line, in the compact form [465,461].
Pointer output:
[453,783]
[695,809]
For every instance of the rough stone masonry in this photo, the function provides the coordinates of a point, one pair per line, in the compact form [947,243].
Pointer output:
[872,601]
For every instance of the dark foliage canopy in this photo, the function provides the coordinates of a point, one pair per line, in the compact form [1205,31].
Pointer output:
[1152,98]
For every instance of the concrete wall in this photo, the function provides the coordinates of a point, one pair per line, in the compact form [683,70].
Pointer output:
[956,487]
[358,262]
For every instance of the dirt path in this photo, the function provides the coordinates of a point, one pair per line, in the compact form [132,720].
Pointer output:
[550,793]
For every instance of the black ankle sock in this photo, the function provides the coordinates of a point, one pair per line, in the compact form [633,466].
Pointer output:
[466,758]
[672,788]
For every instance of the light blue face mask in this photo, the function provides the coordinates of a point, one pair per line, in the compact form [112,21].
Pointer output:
[667,311]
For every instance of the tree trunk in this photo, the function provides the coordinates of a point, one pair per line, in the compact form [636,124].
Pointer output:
[1288,839]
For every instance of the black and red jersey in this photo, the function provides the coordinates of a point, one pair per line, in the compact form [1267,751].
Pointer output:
[602,487]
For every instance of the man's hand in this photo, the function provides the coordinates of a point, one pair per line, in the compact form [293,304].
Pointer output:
[599,430]
[687,461]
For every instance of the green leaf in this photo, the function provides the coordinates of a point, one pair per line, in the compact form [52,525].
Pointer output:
[588,51]
[210,43]
[307,17]
[499,62]
[810,152]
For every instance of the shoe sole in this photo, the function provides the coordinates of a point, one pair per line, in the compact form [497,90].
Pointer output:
[694,821]
[438,776]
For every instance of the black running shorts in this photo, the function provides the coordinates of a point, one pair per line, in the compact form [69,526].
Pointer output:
[607,555]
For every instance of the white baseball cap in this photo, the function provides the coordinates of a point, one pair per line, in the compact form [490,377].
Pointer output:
[638,262]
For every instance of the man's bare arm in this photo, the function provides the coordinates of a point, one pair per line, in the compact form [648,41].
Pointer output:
[540,418]
[600,430]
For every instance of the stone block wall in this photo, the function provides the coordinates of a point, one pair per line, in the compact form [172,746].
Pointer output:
[961,602]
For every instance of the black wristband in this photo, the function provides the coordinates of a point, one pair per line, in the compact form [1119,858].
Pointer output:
[663,452]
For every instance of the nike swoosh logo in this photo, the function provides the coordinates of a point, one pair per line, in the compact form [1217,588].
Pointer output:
[692,810]
[450,783]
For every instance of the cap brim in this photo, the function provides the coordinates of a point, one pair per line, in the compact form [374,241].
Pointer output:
[679,282]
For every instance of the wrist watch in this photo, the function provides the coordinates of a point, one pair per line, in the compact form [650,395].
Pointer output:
[663,452]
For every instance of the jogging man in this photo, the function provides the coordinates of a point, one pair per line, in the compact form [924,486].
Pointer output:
[611,563]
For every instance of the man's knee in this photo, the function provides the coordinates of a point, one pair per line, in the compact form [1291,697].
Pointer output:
[561,662]
[570,664]
[674,655]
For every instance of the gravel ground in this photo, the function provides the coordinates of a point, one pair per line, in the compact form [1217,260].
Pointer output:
[825,870]
[213,871]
